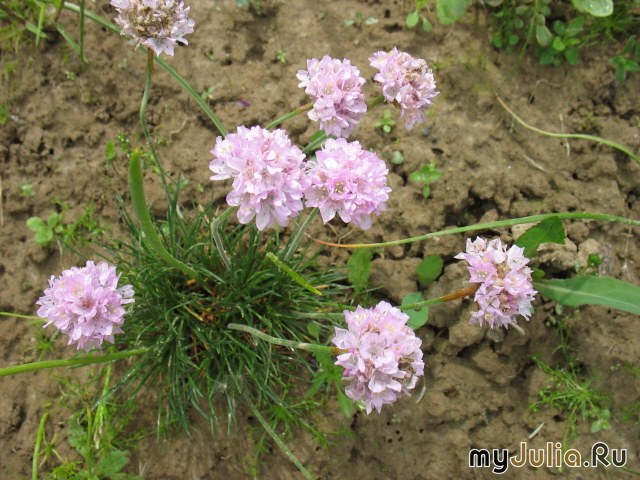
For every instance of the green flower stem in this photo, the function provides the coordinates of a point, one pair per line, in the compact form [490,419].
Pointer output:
[446,298]
[312,347]
[143,118]
[142,212]
[297,111]
[215,233]
[375,101]
[316,143]
[183,83]
[9,314]
[88,455]
[299,233]
[71,362]
[569,135]
[36,448]
[280,443]
[500,223]
[81,26]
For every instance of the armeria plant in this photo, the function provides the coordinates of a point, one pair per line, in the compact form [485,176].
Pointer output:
[211,306]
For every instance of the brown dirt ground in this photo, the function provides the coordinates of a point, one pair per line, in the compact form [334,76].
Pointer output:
[477,385]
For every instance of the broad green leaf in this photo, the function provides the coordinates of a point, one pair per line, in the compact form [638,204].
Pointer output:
[359,266]
[110,151]
[426,174]
[426,25]
[560,28]
[543,35]
[451,10]
[549,230]
[112,462]
[412,19]
[398,157]
[571,54]
[583,290]
[558,44]
[426,191]
[345,403]
[417,317]
[36,224]
[429,269]
[597,8]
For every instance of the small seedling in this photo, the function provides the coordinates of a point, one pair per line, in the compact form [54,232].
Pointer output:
[281,56]
[414,17]
[206,93]
[26,190]
[552,49]
[386,122]
[426,174]
[628,60]
[359,20]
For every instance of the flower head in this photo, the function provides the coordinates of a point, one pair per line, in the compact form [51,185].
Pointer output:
[384,357]
[336,88]
[157,24]
[86,304]
[347,180]
[406,81]
[505,282]
[267,171]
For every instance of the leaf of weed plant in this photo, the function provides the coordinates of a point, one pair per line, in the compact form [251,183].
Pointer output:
[597,8]
[451,10]
[429,269]
[607,291]
[549,230]
[359,267]
[419,316]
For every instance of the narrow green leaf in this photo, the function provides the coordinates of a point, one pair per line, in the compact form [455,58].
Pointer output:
[71,41]
[571,54]
[426,25]
[549,230]
[295,276]
[426,191]
[543,35]
[417,317]
[359,267]
[583,290]
[429,269]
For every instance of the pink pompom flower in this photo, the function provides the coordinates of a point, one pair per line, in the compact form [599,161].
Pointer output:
[347,180]
[336,88]
[505,282]
[157,24]
[383,358]
[86,304]
[269,180]
[407,82]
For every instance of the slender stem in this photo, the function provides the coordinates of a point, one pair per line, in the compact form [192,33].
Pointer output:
[484,226]
[280,443]
[70,362]
[215,233]
[36,449]
[9,314]
[316,143]
[81,26]
[189,89]
[375,101]
[87,458]
[143,119]
[311,347]
[445,298]
[299,233]
[297,111]
[569,135]
[142,212]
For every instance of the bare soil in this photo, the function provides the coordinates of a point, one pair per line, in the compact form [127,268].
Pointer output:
[478,383]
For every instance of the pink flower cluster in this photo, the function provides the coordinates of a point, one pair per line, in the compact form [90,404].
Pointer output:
[505,289]
[157,24]
[407,82]
[384,357]
[269,178]
[86,304]
[336,88]
[348,180]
